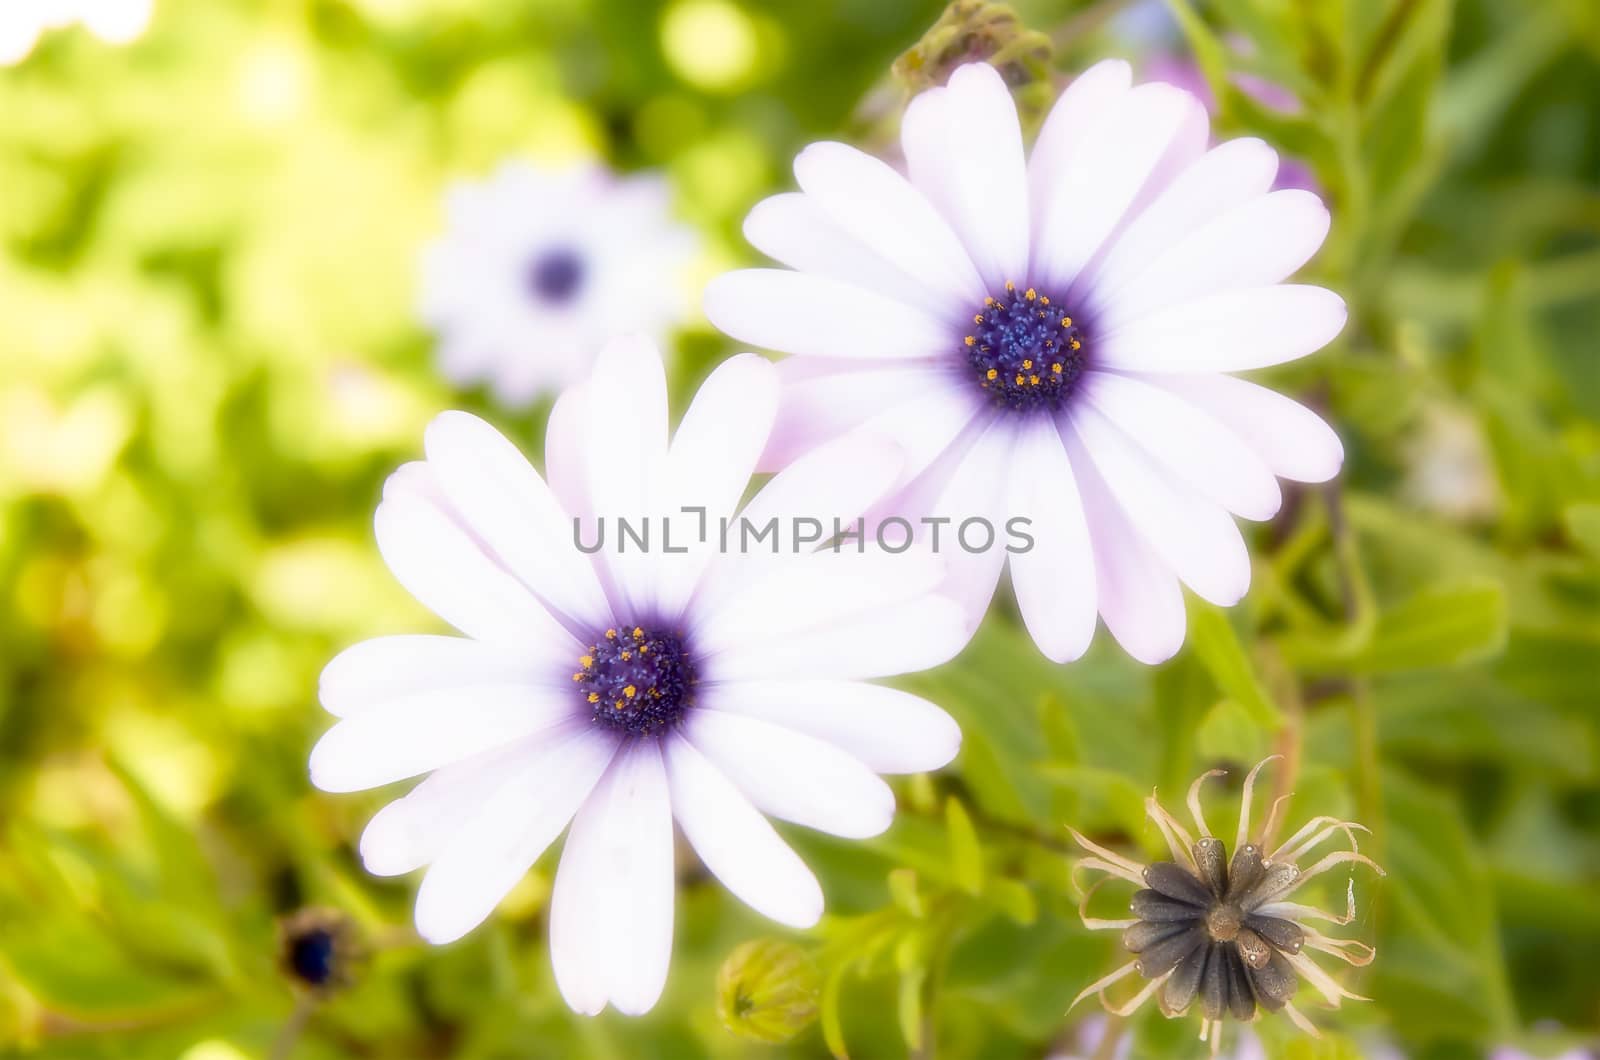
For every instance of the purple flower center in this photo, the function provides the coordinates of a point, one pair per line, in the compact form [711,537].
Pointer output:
[555,275]
[1025,351]
[637,681]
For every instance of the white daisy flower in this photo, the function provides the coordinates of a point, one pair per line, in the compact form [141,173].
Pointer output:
[540,267]
[24,22]
[1050,337]
[620,691]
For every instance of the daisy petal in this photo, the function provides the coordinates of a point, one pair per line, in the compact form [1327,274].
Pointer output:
[1188,442]
[499,494]
[1294,441]
[1054,580]
[813,315]
[792,776]
[1195,537]
[1254,245]
[611,908]
[431,728]
[501,840]
[864,196]
[1227,332]
[793,229]
[411,831]
[563,452]
[736,843]
[625,452]
[819,406]
[382,669]
[894,639]
[446,569]
[1095,190]
[1227,176]
[1092,93]
[964,150]
[890,731]
[709,465]
[1137,594]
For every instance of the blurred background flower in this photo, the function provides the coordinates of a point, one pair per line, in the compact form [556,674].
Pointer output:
[210,240]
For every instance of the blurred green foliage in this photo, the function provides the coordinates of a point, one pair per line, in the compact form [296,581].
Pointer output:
[209,361]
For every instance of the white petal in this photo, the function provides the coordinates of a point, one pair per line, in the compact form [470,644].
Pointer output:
[1061,137]
[890,731]
[792,776]
[563,452]
[446,569]
[966,483]
[501,841]
[1226,332]
[799,313]
[1227,176]
[375,671]
[736,843]
[963,147]
[798,594]
[1254,245]
[709,465]
[1054,580]
[794,229]
[625,453]
[1294,441]
[1100,184]
[498,493]
[411,831]
[611,909]
[1190,443]
[864,196]
[1138,595]
[822,400]
[895,639]
[431,728]
[1193,536]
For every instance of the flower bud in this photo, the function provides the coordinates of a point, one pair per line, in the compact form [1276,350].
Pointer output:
[767,990]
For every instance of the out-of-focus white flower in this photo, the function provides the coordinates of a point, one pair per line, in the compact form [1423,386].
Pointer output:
[1054,337]
[1449,470]
[620,690]
[24,22]
[540,266]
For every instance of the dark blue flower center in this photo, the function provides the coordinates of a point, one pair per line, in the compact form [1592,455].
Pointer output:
[1025,351]
[312,956]
[636,680]
[555,275]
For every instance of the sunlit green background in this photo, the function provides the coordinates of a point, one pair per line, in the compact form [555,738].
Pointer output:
[209,360]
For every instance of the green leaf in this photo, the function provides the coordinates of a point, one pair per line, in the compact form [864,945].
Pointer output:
[965,852]
[1582,522]
[1448,625]
[1219,651]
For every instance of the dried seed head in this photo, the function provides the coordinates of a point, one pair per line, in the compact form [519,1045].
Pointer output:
[1219,932]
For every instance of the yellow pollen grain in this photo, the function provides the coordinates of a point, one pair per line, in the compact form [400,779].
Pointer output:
[1044,299]
[977,318]
[971,340]
[1010,286]
[586,661]
[990,374]
[1019,379]
[577,677]
[1031,294]
[627,655]
[638,634]
[1056,368]
[611,634]
[630,691]
[1077,345]
[617,705]
[644,649]
[989,301]
[1033,380]
[1027,364]
[594,697]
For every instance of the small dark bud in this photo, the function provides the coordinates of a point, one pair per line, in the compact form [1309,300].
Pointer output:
[979,31]
[319,950]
